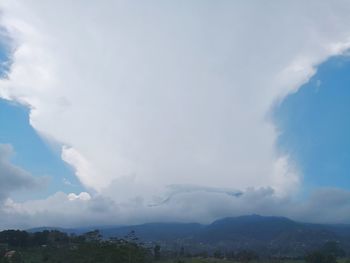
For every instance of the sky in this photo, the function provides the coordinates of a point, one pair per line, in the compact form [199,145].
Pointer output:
[315,126]
[133,112]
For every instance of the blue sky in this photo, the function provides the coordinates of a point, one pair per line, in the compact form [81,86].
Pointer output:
[5,54]
[315,126]
[32,153]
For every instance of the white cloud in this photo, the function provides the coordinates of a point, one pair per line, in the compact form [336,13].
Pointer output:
[64,211]
[82,196]
[145,95]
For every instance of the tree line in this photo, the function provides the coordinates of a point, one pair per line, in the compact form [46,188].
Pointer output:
[18,246]
[53,246]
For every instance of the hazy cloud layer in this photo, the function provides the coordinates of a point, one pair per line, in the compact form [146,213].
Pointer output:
[144,95]
[62,210]
[12,177]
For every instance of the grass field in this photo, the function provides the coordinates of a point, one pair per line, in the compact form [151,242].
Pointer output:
[212,260]
[200,260]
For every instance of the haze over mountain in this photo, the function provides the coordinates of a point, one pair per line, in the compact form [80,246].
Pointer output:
[266,235]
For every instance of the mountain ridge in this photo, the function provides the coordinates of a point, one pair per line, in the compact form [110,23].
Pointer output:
[265,234]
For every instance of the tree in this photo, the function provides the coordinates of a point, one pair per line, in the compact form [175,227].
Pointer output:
[39,238]
[182,251]
[93,236]
[320,257]
[156,252]
[217,254]
[14,238]
[328,253]
[246,256]
[333,248]
[131,237]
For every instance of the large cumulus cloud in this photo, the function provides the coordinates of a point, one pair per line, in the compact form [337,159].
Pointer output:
[143,95]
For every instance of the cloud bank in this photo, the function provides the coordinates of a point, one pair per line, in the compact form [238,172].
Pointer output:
[63,210]
[143,96]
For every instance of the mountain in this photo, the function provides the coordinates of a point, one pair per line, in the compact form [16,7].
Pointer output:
[247,227]
[156,231]
[269,235]
[266,235]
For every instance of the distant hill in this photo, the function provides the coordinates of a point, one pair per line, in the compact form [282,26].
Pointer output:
[270,235]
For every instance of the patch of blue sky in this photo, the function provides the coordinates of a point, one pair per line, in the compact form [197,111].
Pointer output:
[5,53]
[32,152]
[315,126]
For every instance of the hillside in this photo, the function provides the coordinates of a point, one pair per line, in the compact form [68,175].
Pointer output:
[270,235]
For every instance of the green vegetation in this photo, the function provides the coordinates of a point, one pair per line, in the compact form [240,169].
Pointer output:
[213,260]
[57,247]
[329,253]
